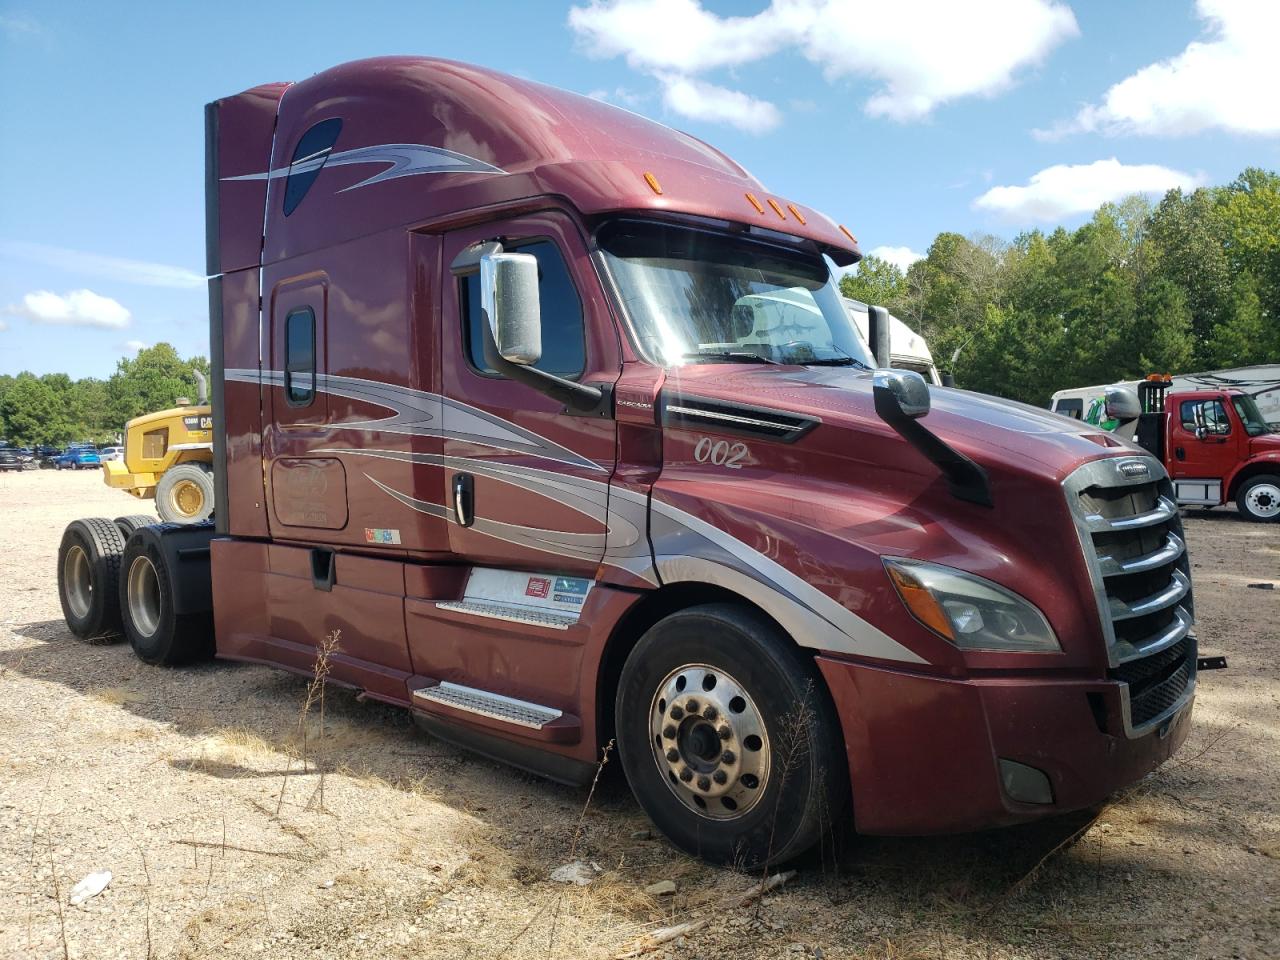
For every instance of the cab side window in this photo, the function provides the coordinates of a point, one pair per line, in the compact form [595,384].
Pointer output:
[1215,416]
[563,340]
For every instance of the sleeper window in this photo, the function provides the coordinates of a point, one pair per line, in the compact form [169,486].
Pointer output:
[563,343]
[300,357]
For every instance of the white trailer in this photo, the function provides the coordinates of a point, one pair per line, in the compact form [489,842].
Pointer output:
[907,349]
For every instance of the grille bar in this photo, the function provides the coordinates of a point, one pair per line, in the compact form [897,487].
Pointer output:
[1164,511]
[1178,587]
[1173,548]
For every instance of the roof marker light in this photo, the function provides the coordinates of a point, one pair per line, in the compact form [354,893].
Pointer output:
[777,208]
[653,183]
[845,231]
[755,203]
[796,213]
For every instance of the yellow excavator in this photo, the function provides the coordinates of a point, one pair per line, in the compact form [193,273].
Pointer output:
[168,457]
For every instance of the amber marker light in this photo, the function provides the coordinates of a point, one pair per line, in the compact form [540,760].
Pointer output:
[845,231]
[796,213]
[777,208]
[919,600]
[653,183]
[755,203]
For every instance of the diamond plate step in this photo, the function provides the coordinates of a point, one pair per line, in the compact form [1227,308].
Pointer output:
[513,614]
[486,704]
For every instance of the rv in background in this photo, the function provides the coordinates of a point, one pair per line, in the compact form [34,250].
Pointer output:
[1262,382]
[907,349]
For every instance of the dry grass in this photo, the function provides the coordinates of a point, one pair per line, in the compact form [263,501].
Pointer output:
[115,696]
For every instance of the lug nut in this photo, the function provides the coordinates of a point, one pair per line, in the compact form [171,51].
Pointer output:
[673,754]
[720,777]
[692,706]
[728,756]
[686,774]
[725,731]
[704,783]
[677,713]
[710,713]
[669,732]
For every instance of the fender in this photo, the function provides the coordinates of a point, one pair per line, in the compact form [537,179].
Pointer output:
[185,548]
[1269,458]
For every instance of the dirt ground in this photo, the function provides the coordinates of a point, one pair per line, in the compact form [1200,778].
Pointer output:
[185,785]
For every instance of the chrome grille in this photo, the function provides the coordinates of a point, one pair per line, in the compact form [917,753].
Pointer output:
[1133,542]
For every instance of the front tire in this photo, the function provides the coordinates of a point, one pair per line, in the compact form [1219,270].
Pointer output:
[185,494]
[728,737]
[1259,498]
[88,577]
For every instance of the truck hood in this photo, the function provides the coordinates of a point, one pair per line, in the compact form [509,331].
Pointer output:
[985,428]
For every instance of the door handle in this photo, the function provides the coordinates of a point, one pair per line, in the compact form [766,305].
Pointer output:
[1180,453]
[464,499]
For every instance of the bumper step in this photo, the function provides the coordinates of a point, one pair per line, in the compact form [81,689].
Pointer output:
[493,705]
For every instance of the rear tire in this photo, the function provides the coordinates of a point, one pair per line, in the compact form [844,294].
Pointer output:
[157,633]
[1259,498]
[729,738]
[185,494]
[89,576]
[137,521]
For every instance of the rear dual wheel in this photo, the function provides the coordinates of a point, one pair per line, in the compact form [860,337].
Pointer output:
[89,576]
[158,634]
[728,737]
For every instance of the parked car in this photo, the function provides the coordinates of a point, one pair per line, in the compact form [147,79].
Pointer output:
[78,458]
[46,454]
[109,454]
[10,459]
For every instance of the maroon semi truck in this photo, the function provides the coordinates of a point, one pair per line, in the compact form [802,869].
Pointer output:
[556,414]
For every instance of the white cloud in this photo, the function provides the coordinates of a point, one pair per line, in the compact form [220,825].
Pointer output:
[1226,83]
[1062,190]
[900,257]
[133,346]
[120,269]
[706,101]
[18,26]
[4,325]
[79,308]
[964,50]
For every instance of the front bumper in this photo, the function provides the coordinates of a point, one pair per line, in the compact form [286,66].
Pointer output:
[924,751]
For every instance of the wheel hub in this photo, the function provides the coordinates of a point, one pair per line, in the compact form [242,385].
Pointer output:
[709,741]
[188,498]
[77,582]
[1264,500]
[143,592]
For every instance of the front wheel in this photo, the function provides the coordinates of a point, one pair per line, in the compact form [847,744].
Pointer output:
[185,494]
[728,737]
[1259,498]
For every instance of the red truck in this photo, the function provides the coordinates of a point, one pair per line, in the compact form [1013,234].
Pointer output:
[1215,445]
[556,413]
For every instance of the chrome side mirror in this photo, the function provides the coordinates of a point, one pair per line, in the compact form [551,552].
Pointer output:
[509,299]
[907,388]
[1122,404]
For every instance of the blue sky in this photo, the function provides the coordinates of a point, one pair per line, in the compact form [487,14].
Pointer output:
[901,119]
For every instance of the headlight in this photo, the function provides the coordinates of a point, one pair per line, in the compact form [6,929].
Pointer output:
[973,613]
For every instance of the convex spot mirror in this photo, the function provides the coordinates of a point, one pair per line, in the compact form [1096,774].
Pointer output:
[908,389]
[1122,404]
[509,299]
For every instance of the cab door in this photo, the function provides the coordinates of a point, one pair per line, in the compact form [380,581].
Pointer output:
[527,480]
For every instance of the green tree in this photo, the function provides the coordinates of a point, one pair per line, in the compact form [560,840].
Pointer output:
[877,281]
[152,380]
[33,413]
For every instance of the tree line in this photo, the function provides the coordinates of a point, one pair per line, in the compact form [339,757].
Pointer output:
[1190,283]
[54,409]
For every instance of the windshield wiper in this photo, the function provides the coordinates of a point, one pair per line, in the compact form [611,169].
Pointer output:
[731,356]
[836,362]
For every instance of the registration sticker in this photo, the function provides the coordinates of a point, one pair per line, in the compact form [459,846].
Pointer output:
[571,590]
[381,535]
[538,587]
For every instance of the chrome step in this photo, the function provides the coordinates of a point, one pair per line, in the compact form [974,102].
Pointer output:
[513,614]
[507,709]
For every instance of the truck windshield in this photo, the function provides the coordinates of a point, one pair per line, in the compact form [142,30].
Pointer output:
[1251,416]
[695,296]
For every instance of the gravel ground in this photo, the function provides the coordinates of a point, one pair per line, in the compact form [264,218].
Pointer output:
[185,784]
